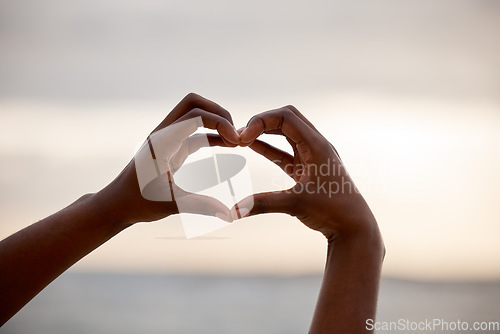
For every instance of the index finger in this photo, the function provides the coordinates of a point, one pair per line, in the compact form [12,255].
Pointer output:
[283,121]
[194,101]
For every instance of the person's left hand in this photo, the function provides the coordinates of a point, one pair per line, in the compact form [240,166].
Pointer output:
[131,198]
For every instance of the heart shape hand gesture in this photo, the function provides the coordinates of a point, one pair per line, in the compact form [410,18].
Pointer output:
[324,196]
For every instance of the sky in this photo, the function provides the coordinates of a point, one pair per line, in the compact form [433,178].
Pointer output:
[408,92]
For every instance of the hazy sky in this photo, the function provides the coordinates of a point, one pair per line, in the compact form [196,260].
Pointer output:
[117,49]
[408,92]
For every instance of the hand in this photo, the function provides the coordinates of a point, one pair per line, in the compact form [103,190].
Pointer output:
[133,197]
[36,255]
[324,197]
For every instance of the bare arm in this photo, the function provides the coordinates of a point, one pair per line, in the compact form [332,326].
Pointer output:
[33,257]
[330,203]
[348,295]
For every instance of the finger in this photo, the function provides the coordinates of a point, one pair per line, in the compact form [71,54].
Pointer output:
[216,140]
[282,121]
[193,101]
[302,117]
[200,204]
[305,120]
[188,147]
[270,202]
[215,122]
[193,144]
[279,157]
[277,132]
[168,142]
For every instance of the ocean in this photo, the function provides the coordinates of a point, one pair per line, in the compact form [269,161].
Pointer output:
[158,303]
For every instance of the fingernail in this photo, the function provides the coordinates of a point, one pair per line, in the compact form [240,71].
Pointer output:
[243,131]
[242,135]
[236,139]
[236,134]
[224,217]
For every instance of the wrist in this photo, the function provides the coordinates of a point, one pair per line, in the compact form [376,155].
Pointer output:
[104,210]
[355,220]
[368,240]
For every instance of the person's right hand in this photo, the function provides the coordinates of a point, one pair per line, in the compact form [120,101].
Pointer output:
[324,197]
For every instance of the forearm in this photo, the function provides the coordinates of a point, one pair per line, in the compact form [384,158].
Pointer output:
[33,257]
[348,295]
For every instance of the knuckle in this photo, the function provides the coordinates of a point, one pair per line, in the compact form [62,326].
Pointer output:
[291,108]
[225,114]
[191,96]
[85,197]
[324,145]
[194,112]
[252,120]
[287,112]
[192,99]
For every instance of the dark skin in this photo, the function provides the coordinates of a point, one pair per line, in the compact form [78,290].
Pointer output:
[33,257]
[348,295]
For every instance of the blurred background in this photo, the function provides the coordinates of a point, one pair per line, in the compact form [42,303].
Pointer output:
[407,91]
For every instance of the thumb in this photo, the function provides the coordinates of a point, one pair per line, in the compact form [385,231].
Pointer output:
[200,204]
[269,202]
